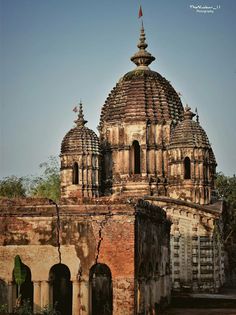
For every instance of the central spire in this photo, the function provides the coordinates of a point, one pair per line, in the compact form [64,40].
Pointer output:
[142,58]
[80,121]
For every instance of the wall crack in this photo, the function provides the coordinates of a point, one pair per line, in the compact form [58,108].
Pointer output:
[58,227]
[100,237]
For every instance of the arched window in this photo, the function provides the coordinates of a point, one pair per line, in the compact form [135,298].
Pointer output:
[187,168]
[61,289]
[75,176]
[100,290]
[135,157]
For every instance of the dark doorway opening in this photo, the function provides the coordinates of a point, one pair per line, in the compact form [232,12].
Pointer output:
[61,289]
[100,290]
[135,157]
[75,174]
[187,168]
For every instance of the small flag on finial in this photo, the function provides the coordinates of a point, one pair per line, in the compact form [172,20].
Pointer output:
[140,13]
[75,109]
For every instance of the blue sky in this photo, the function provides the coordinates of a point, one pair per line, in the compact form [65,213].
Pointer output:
[55,52]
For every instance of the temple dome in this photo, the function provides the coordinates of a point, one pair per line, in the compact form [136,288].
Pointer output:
[142,94]
[189,134]
[80,139]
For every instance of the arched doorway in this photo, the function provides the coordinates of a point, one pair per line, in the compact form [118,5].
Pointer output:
[100,290]
[135,158]
[61,289]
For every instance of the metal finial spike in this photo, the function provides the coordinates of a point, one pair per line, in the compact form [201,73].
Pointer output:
[187,113]
[142,58]
[197,116]
[80,120]
[81,109]
[142,44]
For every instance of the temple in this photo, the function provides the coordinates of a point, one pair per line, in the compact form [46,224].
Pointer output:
[137,216]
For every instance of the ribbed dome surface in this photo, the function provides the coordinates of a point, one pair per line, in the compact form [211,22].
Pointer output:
[80,140]
[188,133]
[141,95]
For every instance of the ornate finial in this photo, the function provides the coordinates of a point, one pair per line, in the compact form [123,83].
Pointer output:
[197,116]
[80,121]
[187,113]
[142,58]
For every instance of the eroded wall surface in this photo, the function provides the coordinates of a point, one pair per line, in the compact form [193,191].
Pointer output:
[152,258]
[77,236]
[197,254]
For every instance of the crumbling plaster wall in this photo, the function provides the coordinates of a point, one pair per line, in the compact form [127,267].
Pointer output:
[79,237]
[197,254]
[152,258]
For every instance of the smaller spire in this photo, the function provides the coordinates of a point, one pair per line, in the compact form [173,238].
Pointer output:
[197,116]
[188,115]
[80,121]
[142,58]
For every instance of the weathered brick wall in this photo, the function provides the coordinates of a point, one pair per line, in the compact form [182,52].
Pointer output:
[197,256]
[152,258]
[80,236]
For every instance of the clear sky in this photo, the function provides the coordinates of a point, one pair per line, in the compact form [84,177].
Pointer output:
[55,52]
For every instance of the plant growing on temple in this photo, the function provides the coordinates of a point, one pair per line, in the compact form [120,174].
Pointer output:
[20,277]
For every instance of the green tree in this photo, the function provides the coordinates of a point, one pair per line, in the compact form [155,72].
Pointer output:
[226,189]
[47,185]
[12,187]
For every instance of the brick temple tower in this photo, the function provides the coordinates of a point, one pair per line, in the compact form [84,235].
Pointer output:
[191,162]
[135,128]
[80,161]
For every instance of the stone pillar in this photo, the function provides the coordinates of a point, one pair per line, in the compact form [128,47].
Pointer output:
[126,162]
[165,163]
[143,160]
[44,293]
[76,305]
[37,296]
[84,300]
[10,296]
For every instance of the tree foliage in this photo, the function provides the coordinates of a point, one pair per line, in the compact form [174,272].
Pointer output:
[12,187]
[226,188]
[47,185]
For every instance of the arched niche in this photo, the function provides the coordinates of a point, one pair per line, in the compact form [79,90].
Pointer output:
[75,174]
[61,289]
[135,158]
[100,285]
[187,168]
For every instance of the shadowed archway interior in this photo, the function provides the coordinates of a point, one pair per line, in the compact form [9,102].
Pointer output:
[100,290]
[61,289]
